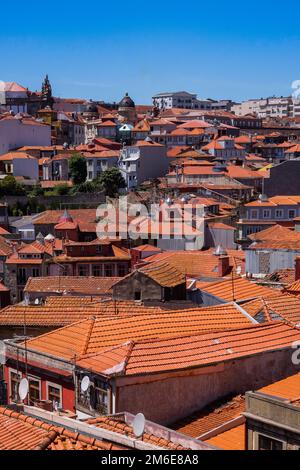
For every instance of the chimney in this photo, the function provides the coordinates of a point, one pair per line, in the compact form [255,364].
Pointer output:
[223,265]
[297,269]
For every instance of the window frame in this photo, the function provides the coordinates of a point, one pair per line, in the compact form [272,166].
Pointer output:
[57,386]
[14,371]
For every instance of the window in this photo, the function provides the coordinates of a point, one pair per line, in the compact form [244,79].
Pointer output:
[35,272]
[97,271]
[278,213]
[292,214]
[137,295]
[108,270]
[34,390]
[15,379]
[83,270]
[254,214]
[122,270]
[101,396]
[266,213]
[266,443]
[54,393]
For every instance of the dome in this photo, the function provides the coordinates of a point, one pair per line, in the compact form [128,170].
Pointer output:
[126,102]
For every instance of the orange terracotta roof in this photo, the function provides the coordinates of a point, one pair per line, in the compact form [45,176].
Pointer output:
[179,353]
[16,156]
[71,284]
[288,244]
[287,388]
[275,232]
[107,124]
[221,226]
[283,276]
[100,333]
[163,273]
[19,431]
[147,248]
[121,427]
[235,171]
[199,263]
[232,439]
[212,416]
[295,149]
[276,201]
[239,289]
[294,288]
[243,139]
[58,311]
[14,87]
[194,124]
[278,306]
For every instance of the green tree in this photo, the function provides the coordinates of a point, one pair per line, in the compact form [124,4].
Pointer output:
[111,181]
[36,191]
[61,190]
[10,187]
[77,167]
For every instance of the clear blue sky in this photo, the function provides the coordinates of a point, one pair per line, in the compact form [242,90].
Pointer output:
[101,49]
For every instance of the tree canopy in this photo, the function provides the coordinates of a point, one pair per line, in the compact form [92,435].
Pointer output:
[78,170]
[111,181]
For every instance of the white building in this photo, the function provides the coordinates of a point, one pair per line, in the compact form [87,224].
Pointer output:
[100,161]
[19,131]
[143,161]
[273,107]
[20,164]
[13,97]
[179,99]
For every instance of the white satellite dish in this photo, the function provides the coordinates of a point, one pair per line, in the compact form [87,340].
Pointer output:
[85,383]
[23,389]
[139,425]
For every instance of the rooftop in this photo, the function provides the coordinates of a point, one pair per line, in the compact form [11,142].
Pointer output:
[239,289]
[71,285]
[101,333]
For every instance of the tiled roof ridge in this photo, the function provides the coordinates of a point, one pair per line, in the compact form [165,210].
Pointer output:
[54,432]
[89,334]
[84,320]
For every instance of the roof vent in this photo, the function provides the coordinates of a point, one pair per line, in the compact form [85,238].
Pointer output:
[229,351]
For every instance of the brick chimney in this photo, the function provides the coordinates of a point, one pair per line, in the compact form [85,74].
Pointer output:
[297,268]
[223,265]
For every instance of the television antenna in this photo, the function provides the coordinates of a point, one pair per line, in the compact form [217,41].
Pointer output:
[139,425]
[23,389]
[85,383]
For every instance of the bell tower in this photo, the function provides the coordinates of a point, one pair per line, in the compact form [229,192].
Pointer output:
[47,99]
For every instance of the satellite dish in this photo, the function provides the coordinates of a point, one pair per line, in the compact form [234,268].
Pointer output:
[139,425]
[85,383]
[23,389]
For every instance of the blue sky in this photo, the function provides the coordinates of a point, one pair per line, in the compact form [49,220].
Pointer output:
[101,49]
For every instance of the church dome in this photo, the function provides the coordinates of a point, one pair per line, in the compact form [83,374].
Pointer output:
[126,102]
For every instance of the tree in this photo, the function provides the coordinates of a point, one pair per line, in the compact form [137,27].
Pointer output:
[77,167]
[10,187]
[111,181]
[36,191]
